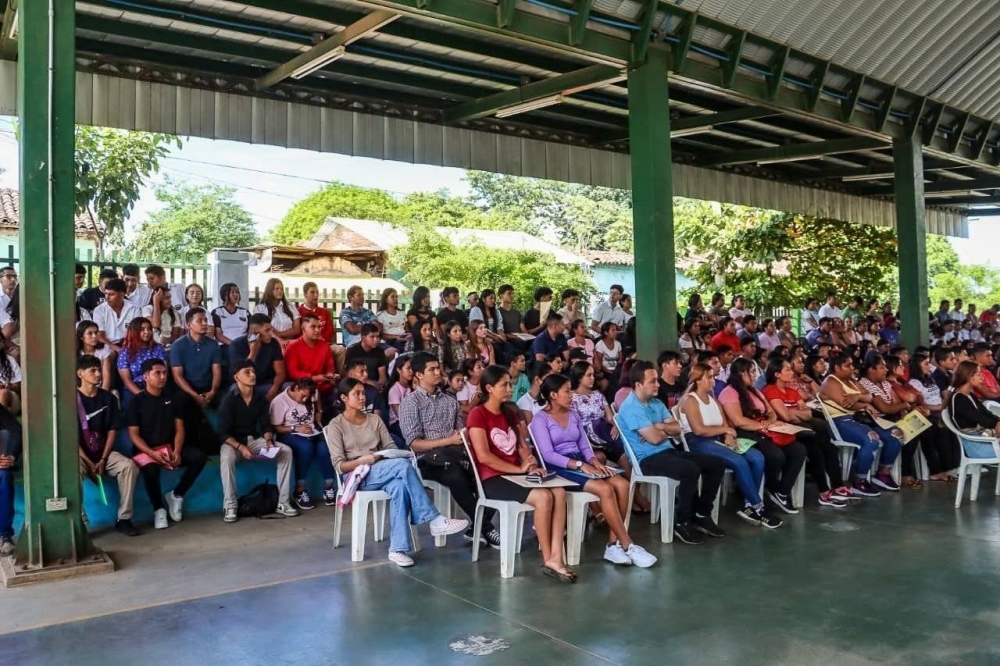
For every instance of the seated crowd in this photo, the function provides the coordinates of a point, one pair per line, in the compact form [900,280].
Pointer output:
[547,390]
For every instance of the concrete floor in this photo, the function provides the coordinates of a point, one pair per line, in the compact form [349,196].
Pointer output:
[903,579]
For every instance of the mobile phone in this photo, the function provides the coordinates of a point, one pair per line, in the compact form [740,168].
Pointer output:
[252,337]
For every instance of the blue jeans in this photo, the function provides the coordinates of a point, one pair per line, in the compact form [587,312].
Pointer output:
[304,451]
[748,468]
[860,434]
[7,503]
[408,499]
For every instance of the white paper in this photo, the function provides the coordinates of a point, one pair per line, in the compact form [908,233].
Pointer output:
[557,482]
[393,453]
[270,453]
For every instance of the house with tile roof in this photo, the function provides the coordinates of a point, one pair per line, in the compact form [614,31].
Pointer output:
[89,230]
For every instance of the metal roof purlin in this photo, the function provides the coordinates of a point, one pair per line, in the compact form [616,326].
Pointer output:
[345,37]
[477,15]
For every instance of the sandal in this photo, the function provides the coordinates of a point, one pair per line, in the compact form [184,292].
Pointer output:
[563,577]
[600,520]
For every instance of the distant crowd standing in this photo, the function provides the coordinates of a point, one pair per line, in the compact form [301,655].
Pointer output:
[546,389]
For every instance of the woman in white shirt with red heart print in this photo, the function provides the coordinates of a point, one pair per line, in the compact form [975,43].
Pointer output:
[497,449]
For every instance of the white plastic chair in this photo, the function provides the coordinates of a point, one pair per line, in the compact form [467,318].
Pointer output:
[441,496]
[847,449]
[663,492]
[972,465]
[511,520]
[725,487]
[576,513]
[378,500]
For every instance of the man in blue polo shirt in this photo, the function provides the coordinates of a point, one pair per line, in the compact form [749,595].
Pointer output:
[551,340]
[196,364]
[647,427]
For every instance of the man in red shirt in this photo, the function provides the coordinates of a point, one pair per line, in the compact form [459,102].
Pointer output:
[312,307]
[726,336]
[983,356]
[310,356]
[989,315]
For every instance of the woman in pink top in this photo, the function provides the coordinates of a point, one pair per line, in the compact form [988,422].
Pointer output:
[400,386]
[581,339]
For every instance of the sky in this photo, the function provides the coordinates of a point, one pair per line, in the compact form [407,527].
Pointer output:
[268,180]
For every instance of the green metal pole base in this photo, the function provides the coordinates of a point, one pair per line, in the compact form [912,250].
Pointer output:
[16,575]
[40,546]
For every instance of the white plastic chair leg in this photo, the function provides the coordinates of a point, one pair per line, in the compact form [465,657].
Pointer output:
[654,502]
[667,519]
[977,472]
[359,527]
[799,489]
[715,506]
[415,538]
[519,532]
[338,524]
[442,502]
[960,489]
[631,499]
[996,491]
[379,512]
[476,531]
[576,524]
[508,541]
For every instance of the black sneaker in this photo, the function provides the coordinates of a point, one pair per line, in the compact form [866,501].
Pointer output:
[885,482]
[706,525]
[687,534]
[467,535]
[770,522]
[783,502]
[749,514]
[127,528]
[492,538]
[864,489]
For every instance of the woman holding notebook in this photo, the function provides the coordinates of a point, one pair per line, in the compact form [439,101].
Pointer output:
[497,450]
[563,445]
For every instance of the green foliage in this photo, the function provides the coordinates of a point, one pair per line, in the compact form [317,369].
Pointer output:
[111,167]
[335,200]
[194,220]
[441,209]
[744,245]
[948,278]
[430,259]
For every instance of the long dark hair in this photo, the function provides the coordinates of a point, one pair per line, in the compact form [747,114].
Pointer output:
[576,373]
[81,328]
[916,373]
[447,346]
[551,385]
[491,377]
[171,310]
[774,368]
[490,318]
[271,303]
[418,342]
[744,390]
[419,294]
[401,362]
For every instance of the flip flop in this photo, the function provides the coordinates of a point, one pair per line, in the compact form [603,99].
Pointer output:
[558,575]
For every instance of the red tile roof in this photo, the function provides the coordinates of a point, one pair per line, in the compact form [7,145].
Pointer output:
[9,198]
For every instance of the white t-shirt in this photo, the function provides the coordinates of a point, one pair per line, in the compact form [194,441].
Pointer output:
[15,373]
[809,321]
[830,311]
[280,321]
[392,324]
[468,392]
[609,356]
[931,394]
[526,403]
[141,297]
[114,326]
[604,313]
[286,412]
[233,324]
[166,324]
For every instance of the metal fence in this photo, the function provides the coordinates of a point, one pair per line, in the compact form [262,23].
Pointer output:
[183,270]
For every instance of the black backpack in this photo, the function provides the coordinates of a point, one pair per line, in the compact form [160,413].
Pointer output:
[261,501]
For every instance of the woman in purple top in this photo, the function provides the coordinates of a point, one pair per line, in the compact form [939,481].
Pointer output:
[563,445]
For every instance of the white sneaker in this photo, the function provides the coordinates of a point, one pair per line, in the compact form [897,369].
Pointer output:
[287,510]
[640,557]
[400,559]
[160,519]
[442,526]
[615,554]
[230,516]
[175,505]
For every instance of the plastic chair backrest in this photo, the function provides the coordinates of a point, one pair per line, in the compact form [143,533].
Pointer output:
[636,470]
[834,432]
[336,473]
[676,413]
[472,461]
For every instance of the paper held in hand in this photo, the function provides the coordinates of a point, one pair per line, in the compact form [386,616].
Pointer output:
[393,453]
[270,453]
[912,425]
[520,480]
[787,428]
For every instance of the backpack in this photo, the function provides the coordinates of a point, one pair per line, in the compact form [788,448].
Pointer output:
[261,501]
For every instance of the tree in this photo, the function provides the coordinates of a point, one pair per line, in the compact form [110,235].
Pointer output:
[441,209]
[743,246]
[194,220]
[429,258]
[111,167]
[335,200]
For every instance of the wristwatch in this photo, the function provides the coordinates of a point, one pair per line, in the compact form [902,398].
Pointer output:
[579,464]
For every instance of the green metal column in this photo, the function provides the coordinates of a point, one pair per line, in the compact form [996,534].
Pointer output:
[911,227]
[53,534]
[652,206]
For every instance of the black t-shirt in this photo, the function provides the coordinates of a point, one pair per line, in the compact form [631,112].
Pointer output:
[531,319]
[263,365]
[669,394]
[102,417]
[90,298]
[940,377]
[154,415]
[444,315]
[373,359]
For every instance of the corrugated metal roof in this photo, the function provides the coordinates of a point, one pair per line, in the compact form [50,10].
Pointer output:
[945,49]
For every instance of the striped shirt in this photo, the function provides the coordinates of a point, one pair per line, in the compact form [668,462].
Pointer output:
[424,415]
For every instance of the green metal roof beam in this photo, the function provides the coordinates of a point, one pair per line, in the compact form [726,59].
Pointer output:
[734,51]
[777,71]
[957,130]
[980,144]
[989,212]
[813,95]
[951,185]
[642,36]
[885,106]
[566,84]
[505,12]
[932,124]
[796,151]
[850,104]
[345,37]
[578,24]
[685,35]
[722,117]
[954,201]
